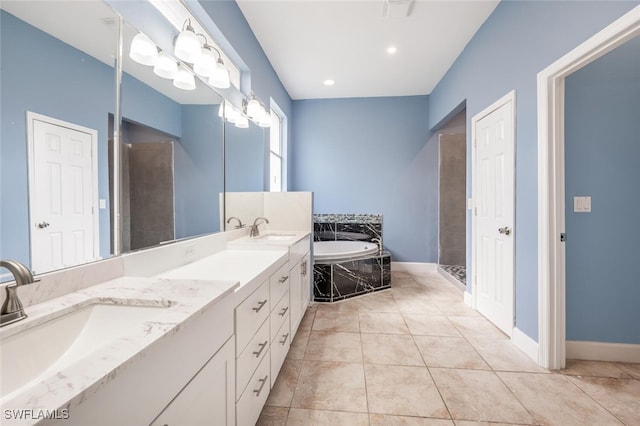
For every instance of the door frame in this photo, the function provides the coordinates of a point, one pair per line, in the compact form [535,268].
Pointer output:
[508,98]
[31,118]
[551,185]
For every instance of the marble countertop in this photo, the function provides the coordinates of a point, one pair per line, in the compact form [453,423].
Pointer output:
[265,244]
[55,389]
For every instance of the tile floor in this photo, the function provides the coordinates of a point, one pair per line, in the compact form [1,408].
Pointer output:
[417,355]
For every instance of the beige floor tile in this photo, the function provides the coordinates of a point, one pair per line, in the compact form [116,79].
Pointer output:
[330,321]
[334,346]
[456,309]
[416,306]
[382,322]
[403,390]
[554,400]
[631,369]
[298,344]
[302,417]
[502,355]
[476,327]
[388,420]
[474,423]
[346,305]
[307,320]
[478,395]
[391,349]
[576,367]
[273,416]
[430,325]
[449,352]
[620,396]
[410,292]
[282,392]
[377,302]
[331,386]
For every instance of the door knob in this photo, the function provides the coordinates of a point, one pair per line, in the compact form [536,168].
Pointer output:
[505,230]
[43,225]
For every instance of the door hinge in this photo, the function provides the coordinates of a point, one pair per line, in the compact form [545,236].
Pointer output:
[563,237]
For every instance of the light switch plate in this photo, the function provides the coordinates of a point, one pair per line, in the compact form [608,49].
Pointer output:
[582,204]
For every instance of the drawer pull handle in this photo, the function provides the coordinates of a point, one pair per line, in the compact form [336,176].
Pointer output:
[283,279]
[284,339]
[260,305]
[262,346]
[262,383]
[284,311]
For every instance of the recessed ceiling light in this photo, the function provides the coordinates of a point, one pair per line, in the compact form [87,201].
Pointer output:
[391,50]
[329,82]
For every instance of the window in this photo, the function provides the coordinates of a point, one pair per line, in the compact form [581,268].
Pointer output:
[276,152]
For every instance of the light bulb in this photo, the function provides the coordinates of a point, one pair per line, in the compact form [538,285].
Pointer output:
[184,80]
[205,64]
[166,66]
[187,46]
[143,50]
[220,77]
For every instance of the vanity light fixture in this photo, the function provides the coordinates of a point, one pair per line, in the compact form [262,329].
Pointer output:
[253,108]
[264,120]
[187,46]
[206,63]
[220,77]
[242,121]
[165,66]
[184,79]
[143,50]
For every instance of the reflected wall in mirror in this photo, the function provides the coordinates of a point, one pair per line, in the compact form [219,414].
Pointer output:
[245,168]
[172,156]
[57,65]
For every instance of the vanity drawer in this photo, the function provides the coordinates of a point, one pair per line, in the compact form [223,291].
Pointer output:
[279,314]
[279,282]
[255,395]
[250,314]
[279,349]
[249,359]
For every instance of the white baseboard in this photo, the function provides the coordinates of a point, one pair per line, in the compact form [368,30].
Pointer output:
[601,351]
[468,299]
[413,267]
[525,343]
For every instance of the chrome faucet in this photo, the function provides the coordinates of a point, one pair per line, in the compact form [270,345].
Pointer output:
[12,309]
[255,232]
[239,225]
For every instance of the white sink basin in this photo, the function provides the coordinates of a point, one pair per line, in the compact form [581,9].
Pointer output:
[276,237]
[64,338]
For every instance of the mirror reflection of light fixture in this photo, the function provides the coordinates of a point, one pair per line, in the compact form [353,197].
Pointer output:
[187,45]
[143,50]
[166,66]
[242,121]
[184,79]
[253,108]
[257,112]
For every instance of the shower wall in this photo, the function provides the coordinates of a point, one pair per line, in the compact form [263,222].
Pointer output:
[452,203]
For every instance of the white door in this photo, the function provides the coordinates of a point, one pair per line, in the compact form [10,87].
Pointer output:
[493,194]
[62,194]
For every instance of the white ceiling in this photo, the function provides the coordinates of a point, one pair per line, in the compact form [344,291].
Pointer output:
[309,41]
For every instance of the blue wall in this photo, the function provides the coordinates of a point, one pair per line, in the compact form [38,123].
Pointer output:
[602,150]
[370,155]
[78,89]
[517,41]
[245,158]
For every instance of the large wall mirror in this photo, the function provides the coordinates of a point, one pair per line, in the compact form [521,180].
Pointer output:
[172,156]
[56,164]
[245,173]
[58,85]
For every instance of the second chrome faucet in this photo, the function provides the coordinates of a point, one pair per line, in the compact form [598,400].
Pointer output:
[255,232]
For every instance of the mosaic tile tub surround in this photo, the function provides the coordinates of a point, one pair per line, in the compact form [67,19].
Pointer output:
[336,281]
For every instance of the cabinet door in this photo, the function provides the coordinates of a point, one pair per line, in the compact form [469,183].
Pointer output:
[306,281]
[295,295]
[209,398]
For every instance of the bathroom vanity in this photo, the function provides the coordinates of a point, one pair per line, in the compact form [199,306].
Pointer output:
[200,342]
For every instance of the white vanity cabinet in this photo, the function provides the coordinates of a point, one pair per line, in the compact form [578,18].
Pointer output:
[299,287]
[208,398]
